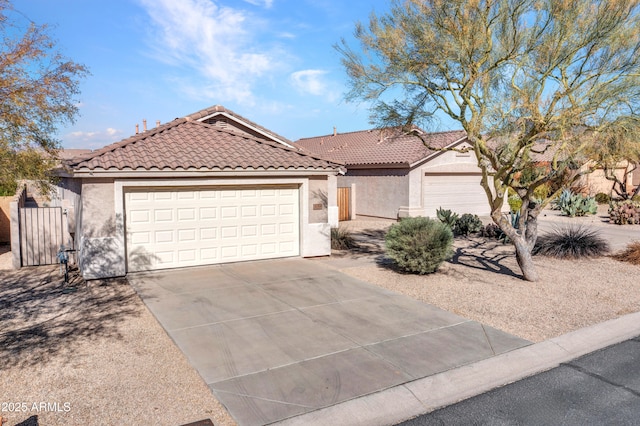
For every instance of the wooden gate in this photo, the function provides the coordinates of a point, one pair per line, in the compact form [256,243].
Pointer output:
[41,235]
[344,208]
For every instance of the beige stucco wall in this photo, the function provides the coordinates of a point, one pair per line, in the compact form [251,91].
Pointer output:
[5,222]
[379,192]
[100,248]
[596,181]
[318,199]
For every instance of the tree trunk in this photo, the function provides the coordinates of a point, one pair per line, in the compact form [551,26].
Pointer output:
[523,240]
[525,260]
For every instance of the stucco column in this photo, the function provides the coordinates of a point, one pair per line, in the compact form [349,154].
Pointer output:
[332,200]
[14,219]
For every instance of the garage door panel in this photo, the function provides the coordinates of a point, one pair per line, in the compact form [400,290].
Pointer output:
[208,213]
[250,231]
[459,193]
[162,196]
[140,237]
[163,215]
[186,214]
[208,233]
[174,228]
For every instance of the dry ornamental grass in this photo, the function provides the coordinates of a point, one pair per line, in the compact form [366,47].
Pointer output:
[631,254]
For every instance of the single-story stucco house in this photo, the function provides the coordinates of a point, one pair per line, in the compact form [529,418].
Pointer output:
[396,175]
[208,188]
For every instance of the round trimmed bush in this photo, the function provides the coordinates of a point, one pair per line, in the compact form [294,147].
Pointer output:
[419,245]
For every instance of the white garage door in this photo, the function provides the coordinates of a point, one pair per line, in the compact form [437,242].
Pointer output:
[459,193]
[170,228]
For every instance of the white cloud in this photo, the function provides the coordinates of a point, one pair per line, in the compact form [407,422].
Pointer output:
[82,135]
[286,35]
[266,3]
[91,140]
[214,40]
[312,82]
[309,81]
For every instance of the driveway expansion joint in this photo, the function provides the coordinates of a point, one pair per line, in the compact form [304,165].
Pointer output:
[268,399]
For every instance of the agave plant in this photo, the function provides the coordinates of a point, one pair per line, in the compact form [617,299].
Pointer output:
[571,204]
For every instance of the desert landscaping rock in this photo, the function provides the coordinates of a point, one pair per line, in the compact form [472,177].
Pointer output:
[483,282]
[93,356]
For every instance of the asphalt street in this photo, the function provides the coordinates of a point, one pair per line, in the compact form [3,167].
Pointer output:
[601,388]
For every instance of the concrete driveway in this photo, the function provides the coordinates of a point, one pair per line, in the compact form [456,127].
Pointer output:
[276,339]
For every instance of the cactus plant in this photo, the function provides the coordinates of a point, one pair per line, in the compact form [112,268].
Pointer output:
[467,224]
[447,217]
[624,212]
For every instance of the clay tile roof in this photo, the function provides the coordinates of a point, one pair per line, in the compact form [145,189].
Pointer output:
[70,153]
[185,144]
[377,147]
[221,109]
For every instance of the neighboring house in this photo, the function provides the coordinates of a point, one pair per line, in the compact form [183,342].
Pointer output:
[396,175]
[195,191]
[596,181]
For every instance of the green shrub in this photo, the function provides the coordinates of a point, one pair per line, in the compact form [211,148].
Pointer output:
[341,239]
[419,245]
[571,242]
[571,204]
[542,192]
[625,212]
[467,224]
[515,203]
[447,217]
[8,189]
[492,231]
[602,198]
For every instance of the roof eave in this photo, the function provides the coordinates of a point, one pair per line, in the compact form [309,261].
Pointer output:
[250,125]
[438,152]
[361,166]
[114,173]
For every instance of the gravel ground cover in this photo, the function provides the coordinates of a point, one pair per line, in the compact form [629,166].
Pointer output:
[483,282]
[91,354]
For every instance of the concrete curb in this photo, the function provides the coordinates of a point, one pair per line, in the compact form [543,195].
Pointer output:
[421,396]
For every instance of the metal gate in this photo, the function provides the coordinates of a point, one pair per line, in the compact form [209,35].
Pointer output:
[41,235]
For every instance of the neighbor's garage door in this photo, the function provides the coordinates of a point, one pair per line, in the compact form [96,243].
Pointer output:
[459,193]
[170,228]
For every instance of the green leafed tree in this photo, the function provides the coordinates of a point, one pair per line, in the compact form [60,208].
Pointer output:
[532,82]
[37,90]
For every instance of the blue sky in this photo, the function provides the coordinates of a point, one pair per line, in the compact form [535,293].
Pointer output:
[271,61]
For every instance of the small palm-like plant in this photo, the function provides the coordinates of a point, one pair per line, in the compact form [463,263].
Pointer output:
[571,242]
